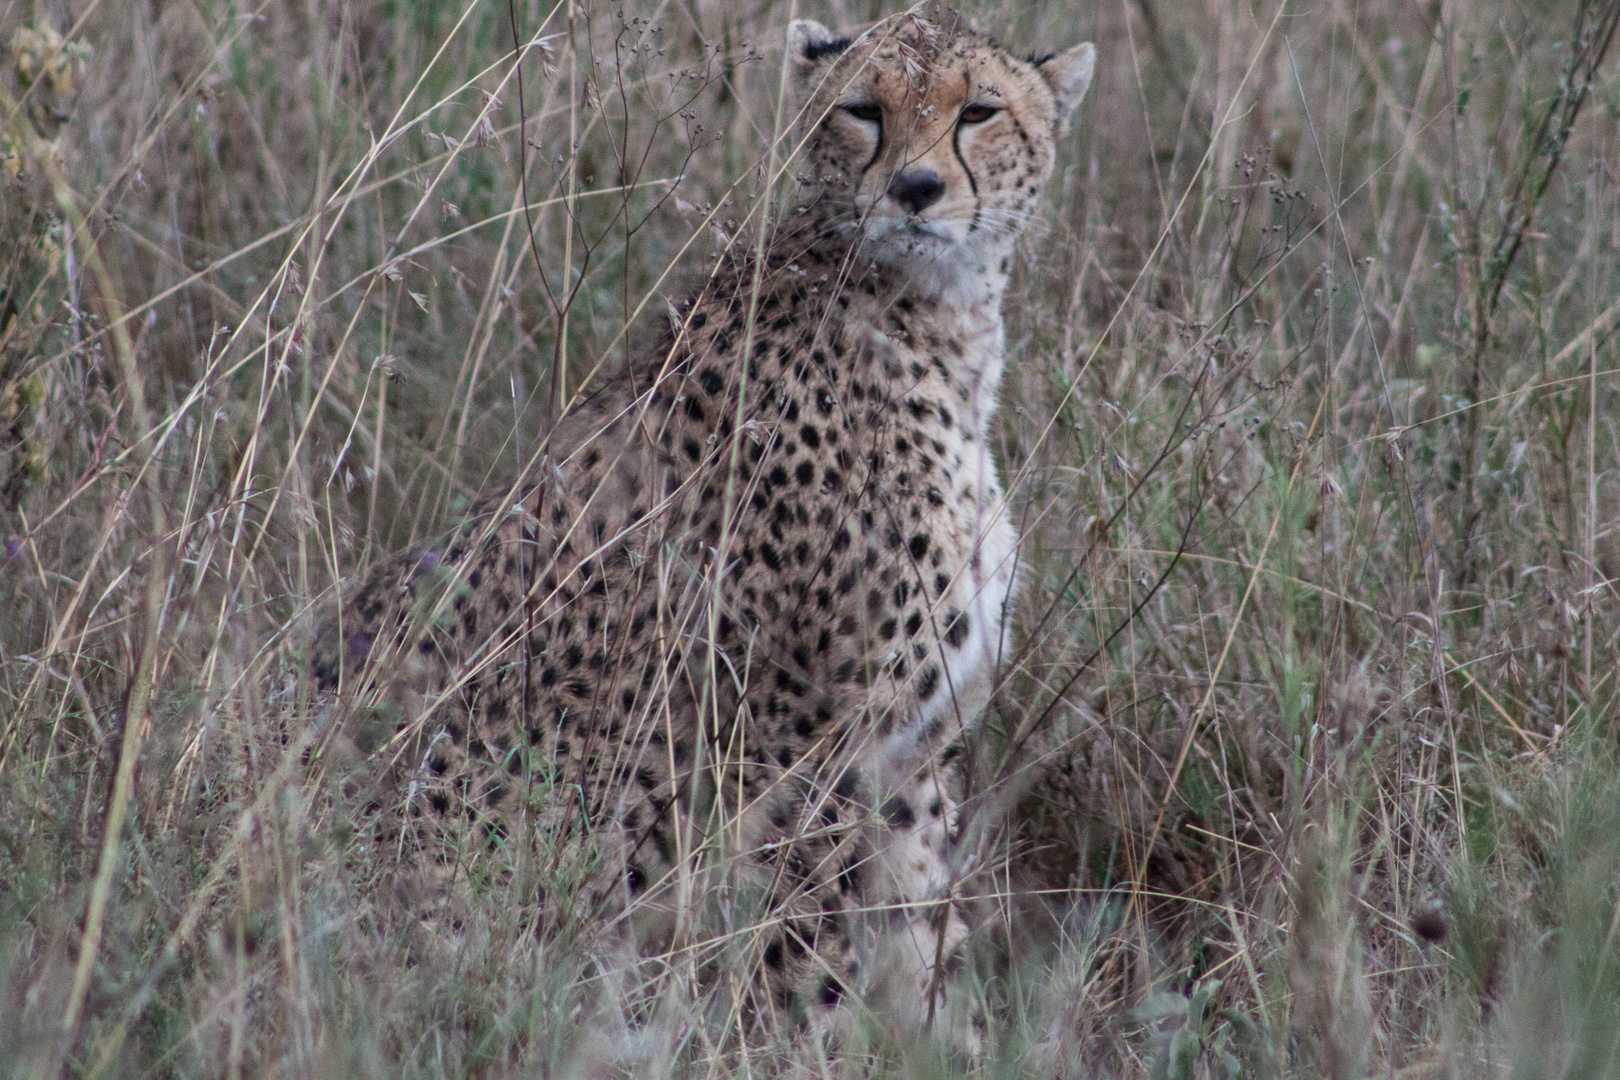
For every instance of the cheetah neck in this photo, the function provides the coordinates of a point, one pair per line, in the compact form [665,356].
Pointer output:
[961,280]
[941,310]
[962,326]
[969,277]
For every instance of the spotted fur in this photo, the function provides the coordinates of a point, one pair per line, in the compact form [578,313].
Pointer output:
[761,579]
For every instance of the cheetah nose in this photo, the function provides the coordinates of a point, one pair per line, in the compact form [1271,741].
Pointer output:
[916,190]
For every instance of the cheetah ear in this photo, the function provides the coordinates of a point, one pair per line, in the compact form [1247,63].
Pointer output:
[1068,73]
[810,48]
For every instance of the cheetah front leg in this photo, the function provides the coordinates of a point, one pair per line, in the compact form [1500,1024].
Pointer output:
[857,875]
[920,926]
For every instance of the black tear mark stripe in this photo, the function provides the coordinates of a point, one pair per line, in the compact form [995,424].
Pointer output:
[973,185]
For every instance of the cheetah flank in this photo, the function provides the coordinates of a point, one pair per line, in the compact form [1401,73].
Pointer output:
[757,587]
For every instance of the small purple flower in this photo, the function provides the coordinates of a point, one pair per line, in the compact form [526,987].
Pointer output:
[14,546]
[359,646]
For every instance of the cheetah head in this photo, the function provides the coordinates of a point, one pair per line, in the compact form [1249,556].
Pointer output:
[925,145]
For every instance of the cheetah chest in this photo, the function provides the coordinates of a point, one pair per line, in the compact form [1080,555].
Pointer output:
[969,527]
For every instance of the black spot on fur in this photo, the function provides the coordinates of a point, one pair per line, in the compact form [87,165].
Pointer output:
[927,684]
[897,812]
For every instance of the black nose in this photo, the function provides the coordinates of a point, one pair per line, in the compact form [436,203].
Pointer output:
[916,190]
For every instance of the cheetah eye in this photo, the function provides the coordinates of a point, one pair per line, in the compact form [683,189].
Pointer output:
[978,114]
[869,111]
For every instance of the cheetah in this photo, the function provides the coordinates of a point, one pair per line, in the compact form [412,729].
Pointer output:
[755,589]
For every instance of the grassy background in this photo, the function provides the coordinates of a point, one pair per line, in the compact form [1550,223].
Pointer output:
[1305,761]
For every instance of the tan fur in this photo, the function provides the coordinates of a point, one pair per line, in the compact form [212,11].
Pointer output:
[757,585]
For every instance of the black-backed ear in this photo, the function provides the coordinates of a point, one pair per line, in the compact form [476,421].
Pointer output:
[811,49]
[1069,73]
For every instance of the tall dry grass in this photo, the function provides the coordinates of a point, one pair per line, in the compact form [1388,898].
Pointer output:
[1304,763]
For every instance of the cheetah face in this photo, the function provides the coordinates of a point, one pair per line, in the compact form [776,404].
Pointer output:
[923,144]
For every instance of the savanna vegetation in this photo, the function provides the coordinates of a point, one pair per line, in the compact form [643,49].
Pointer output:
[1305,761]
